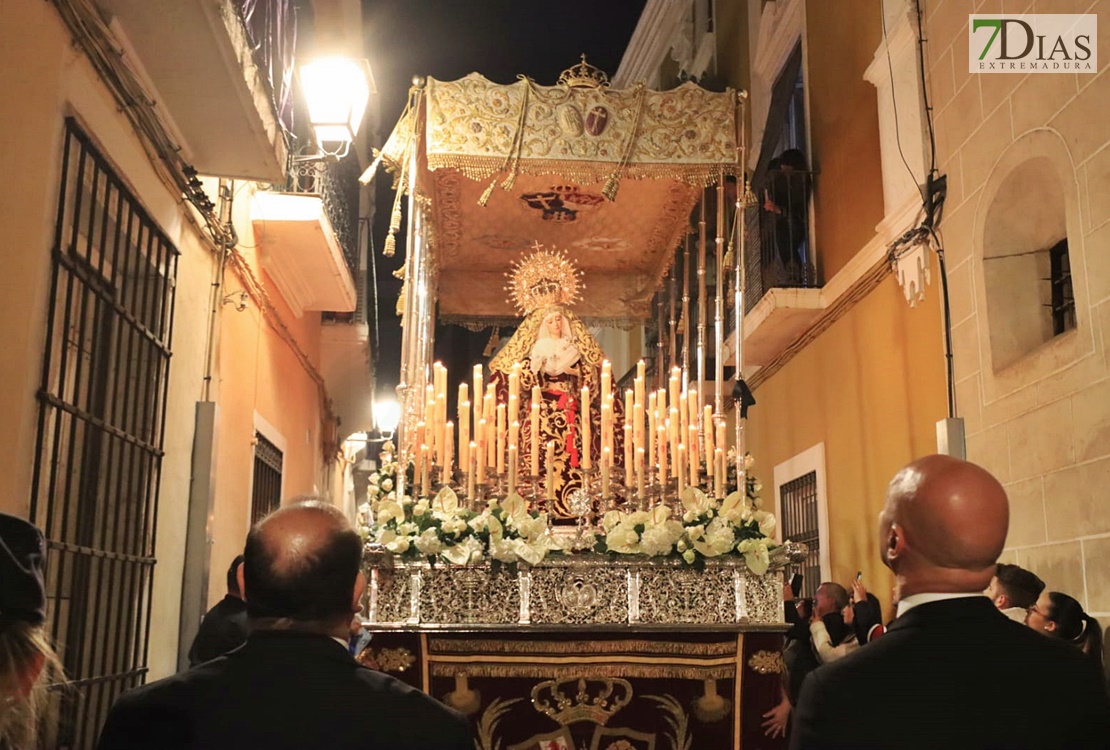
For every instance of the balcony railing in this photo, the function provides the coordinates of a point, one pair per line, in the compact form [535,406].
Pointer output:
[336,185]
[779,249]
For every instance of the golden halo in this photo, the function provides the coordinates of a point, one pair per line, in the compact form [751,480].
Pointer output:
[546,277]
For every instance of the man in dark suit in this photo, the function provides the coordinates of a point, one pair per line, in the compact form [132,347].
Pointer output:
[293,684]
[952,671]
[224,627]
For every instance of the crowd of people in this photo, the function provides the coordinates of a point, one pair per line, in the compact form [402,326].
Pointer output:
[978,655]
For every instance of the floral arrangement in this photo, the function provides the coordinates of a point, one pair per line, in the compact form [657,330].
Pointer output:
[706,528]
[442,527]
[507,532]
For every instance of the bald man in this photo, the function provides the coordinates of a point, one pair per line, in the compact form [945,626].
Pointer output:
[952,671]
[293,684]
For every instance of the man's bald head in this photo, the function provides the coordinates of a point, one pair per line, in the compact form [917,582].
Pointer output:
[945,520]
[301,563]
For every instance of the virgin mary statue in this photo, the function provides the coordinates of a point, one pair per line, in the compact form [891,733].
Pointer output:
[553,350]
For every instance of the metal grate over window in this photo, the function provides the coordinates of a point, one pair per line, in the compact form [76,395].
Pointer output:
[1063,299]
[101,422]
[266,492]
[799,524]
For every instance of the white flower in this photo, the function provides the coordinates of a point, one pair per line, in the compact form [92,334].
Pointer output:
[453,525]
[611,519]
[719,539]
[387,484]
[660,539]
[623,539]
[465,552]
[420,508]
[479,522]
[408,528]
[389,511]
[756,555]
[375,479]
[689,556]
[532,528]
[398,545]
[766,522]
[429,542]
[696,501]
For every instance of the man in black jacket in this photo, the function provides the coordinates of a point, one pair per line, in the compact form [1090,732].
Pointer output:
[224,627]
[951,671]
[293,684]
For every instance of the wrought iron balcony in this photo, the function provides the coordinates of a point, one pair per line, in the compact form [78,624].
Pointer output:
[779,249]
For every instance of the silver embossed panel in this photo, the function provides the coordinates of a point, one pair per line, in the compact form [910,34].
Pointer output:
[683,595]
[579,594]
[468,596]
[393,600]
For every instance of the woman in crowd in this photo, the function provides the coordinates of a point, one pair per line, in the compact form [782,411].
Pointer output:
[1059,615]
[27,661]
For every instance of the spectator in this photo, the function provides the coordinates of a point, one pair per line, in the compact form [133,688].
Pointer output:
[1062,616]
[225,626]
[1014,590]
[293,684]
[863,620]
[786,206]
[27,660]
[949,672]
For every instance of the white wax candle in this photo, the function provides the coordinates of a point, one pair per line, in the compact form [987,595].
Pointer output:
[585,412]
[534,441]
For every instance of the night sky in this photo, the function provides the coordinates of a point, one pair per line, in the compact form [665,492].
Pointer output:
[446,40]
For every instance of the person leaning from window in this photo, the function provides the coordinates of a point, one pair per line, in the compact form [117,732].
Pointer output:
[786,201]
[1059,615]
[28,663]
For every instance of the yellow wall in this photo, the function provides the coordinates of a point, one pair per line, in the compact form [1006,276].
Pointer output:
[871,387]
[259,376]
[48,80]
[844,128]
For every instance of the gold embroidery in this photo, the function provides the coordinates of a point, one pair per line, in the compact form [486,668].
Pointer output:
[766,662]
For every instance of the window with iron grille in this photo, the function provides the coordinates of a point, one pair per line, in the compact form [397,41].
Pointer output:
[266,492]
[101,422]
[1063,301]
[800,524]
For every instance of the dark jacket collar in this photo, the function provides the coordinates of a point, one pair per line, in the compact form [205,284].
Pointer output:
[316,645]
[946,611]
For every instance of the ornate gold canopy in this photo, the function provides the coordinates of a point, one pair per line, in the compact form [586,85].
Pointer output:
[608,176]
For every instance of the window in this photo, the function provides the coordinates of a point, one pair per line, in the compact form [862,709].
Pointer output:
[799,524]
[98,453]
[266,490]
[1026,266]
[800,506]
[1060,293]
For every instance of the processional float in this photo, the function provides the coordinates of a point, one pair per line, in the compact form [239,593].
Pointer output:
[551,500]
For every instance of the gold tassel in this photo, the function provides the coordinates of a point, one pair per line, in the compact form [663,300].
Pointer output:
[399,273]
[611,186]
[509,182]
[727,262]
[390,245]
[401,303]
[395,218]
[488,192]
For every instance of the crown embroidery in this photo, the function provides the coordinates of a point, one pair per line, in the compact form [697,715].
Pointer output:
[581,699]
[546,277]
[583,75]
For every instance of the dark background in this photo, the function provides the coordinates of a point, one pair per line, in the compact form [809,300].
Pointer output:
[446,40]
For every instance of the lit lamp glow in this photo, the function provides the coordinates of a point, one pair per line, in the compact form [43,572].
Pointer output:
[336,91]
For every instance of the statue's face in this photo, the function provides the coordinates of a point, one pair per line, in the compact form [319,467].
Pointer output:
[555,325]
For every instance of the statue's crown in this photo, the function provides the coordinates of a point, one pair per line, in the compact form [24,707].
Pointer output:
[544,278]
[583,75]
[581,699]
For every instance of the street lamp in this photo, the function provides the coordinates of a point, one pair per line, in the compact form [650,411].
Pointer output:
[387,414]
[336,91]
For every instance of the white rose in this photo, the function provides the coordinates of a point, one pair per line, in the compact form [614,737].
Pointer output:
[611,519]
[429,542]
[420,508]
[623,539]
[387,484]
[689,556]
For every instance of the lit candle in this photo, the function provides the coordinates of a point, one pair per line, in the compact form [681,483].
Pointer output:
[637,426]
[694,460]
[722,438]
[605,460]
[534,442]
[627,405]
[641,371]
[488,416]
[514,382]
[420,430]
[662,439]
[718,475]
[441,427]
[430,407]
[692,401]
[512,468]
[680,467]
[464,432]
[606,415]
[651,433]
[514,435]
[707,435]
[479,459]
[674,386]
[638,386]
[672,433]
[477,396]
[640,471]
[551,470]
[448,450]
[471,477]
[627,455]
[499,458]
[586,428]
[606,378]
